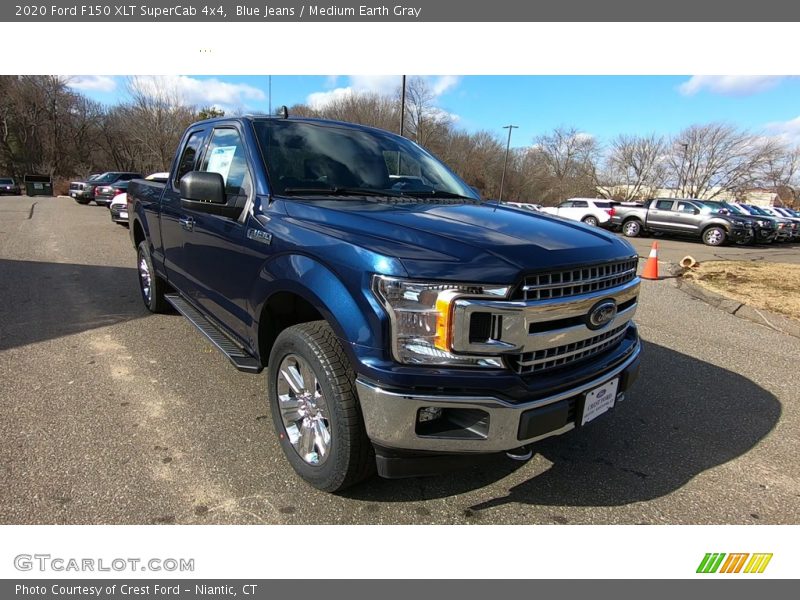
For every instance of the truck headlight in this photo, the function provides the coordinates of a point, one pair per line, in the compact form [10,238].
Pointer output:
[421,319]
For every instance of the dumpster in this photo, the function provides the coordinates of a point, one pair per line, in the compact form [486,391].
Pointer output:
[38,185]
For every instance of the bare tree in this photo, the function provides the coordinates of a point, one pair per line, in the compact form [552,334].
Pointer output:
[426,122]
[781,173]
[708,160]
[156,116]
[365,108]
[635,167]
[571,158]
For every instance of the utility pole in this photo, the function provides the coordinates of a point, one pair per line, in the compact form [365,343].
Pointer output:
[270,96]
[403,107]
[685,147]
[505,162]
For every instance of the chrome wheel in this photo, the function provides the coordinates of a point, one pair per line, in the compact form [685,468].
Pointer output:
[145,280]
[303,410]
[590,221]
[714,237]
[631,229]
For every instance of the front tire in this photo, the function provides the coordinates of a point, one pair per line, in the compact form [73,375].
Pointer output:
[151,286]
[315,410]
[714,236]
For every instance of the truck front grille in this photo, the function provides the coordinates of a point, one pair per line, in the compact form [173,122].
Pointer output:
[573,282]
[559,356]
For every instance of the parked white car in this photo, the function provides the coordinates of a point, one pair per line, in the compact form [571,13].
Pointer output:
[524,206]
[119,203]
[592,211]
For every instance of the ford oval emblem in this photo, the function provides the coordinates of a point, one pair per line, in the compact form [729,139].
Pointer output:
[602,314]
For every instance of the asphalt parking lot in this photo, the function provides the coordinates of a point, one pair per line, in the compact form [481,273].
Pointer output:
[111,415]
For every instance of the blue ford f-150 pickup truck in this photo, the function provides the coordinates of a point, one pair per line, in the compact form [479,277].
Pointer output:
[404,324]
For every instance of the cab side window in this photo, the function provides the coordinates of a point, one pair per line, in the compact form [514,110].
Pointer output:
[226,156]
[664,205]
[189,157]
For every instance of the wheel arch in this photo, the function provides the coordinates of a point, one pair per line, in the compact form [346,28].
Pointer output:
[303,291]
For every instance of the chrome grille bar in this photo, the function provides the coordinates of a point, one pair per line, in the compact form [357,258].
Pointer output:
[530,362]
[573,282]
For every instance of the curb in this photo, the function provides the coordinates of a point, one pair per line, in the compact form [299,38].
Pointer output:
[761,316]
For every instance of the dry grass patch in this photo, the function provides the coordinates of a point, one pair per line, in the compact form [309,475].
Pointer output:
[772,286]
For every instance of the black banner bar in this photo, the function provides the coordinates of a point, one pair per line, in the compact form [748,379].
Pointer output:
[419,11]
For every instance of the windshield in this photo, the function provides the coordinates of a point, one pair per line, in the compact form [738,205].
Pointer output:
[303,158]
[757,211]
[713,206]
[6,181]
[105,178]
[720,207]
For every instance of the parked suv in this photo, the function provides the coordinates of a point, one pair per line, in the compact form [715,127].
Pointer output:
[591,211]
[106,185]
[84,192]
[9,186]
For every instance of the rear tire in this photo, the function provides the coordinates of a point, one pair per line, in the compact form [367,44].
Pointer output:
[81,201]
[590,220]
[714,236]
[151,286]
[315,410]
[631,228]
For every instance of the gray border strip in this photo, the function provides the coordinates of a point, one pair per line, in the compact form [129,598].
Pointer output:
[462,11]
[734,587]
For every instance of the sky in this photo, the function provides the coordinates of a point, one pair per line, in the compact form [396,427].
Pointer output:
[601,106]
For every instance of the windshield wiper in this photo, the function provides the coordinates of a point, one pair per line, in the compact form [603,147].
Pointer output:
[338,191]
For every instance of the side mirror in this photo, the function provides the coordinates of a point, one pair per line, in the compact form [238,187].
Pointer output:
[202,187]
[205,192]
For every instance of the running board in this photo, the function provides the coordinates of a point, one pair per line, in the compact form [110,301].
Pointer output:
[240,358]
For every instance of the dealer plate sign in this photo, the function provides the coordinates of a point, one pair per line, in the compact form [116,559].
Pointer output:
[599,400]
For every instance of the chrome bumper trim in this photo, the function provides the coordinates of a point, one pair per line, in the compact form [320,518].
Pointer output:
[390,417]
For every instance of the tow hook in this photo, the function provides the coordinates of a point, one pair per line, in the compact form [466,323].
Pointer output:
[521,454]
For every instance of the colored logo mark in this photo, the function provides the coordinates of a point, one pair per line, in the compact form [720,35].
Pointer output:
[719,562]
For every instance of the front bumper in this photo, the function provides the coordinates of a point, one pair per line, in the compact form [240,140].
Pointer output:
[741,234]
[765,236]
[478,424]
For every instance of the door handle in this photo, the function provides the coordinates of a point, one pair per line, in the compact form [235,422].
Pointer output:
[187,223]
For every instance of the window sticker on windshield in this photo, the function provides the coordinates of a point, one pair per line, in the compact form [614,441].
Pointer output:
[220,160]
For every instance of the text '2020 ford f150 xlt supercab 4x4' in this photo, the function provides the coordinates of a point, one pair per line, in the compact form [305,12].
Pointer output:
[403,323]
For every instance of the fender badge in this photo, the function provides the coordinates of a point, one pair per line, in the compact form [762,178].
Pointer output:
[259,236]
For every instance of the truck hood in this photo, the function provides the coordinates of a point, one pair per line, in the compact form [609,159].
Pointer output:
[459,241]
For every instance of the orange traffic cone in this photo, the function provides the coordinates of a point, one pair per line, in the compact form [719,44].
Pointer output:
[650,270]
